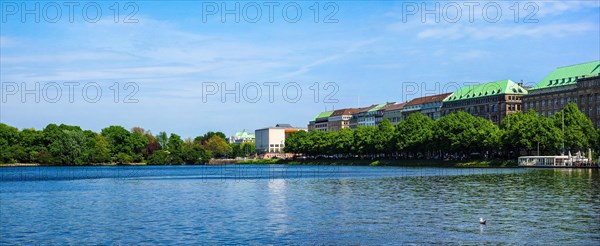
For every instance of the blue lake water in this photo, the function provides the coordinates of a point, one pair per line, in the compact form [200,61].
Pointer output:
[275,204]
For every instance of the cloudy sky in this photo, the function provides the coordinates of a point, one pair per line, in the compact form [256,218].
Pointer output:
[163,65]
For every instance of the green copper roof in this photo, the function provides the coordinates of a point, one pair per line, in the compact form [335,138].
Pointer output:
[323,115]
[378,107]
[488,89]
[244,134]
[568,75]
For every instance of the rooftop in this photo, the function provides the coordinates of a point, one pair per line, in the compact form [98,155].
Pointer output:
[281,126]
[427,99]
[323,115]
[346,111]
[395,106]
[365,109]
[377,107]
[568,75]
[500,87]
[243,134]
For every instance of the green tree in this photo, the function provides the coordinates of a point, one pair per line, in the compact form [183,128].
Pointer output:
[9,136]
[68,148]
[523,131]
[194,153]
[463,132]
[159,157]
[217,146]
[385,137]
[364,140]
[118,139]
[579,132]
[343,142]
[414,134]
[249,148]
[98,150]
[174,146]
[203,139]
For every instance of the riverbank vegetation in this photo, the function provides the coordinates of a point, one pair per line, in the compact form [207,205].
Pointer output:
[70,145]
[457,137]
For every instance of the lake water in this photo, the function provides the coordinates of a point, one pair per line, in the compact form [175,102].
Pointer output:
[274,204]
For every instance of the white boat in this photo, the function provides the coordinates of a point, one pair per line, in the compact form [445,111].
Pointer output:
[557,161]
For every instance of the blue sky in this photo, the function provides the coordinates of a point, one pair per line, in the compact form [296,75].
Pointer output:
[370,54]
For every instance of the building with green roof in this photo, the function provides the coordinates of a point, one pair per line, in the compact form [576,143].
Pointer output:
[492,100]
[579,83]
[319,122]
[242,137]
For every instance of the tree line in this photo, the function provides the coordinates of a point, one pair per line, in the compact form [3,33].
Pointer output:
[70,145]
[458,135]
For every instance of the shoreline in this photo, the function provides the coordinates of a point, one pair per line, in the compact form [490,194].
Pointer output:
[324,162]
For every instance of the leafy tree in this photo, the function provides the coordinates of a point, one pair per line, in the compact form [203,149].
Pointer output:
[364,140]
[203,139]
[384,142]
[68,148]
[136,143]
[159,157]
[579,132]
[414,134]
[523,131]
[217,146]
[174,146]
[97,149]
[9,136]
[194,153]
[343,142]
[118,140]
[123,158]
[462,132]
[236,150]
[249,148]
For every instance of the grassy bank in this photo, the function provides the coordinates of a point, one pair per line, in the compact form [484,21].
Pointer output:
[388,162]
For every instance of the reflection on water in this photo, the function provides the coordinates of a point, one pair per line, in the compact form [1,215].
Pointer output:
[299,205]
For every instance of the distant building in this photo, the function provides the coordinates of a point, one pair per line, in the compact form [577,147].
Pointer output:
[359,118]
[493,100]
[272,139]
[340,119]
[430,106]
[320,122]
[242,137]
[578,83]
[393,112]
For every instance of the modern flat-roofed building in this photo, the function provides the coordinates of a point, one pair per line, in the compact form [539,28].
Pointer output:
[493,100]
[579,83]
[272,139]
[393,112]
[340,119]
[429,106]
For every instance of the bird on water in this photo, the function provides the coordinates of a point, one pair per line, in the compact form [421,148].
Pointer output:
[482,221]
